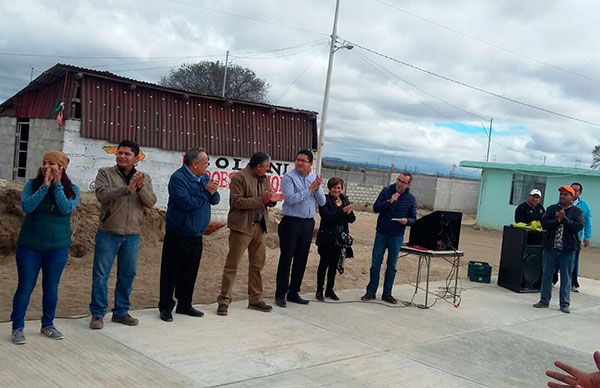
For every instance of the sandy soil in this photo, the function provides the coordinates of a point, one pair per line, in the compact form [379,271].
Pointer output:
[480,245]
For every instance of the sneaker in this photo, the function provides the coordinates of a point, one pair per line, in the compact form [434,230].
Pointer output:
[389,299]
[540,305]
[367,296]
[574,289]
[260,306]
[52,333]
[125,320]
[18,338]
[97,323]
[222,309]
[565,309]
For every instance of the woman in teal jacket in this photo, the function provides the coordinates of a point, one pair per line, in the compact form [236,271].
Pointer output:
[44,240]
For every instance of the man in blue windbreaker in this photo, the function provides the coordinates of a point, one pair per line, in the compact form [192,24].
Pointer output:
[191,194]
[397,208]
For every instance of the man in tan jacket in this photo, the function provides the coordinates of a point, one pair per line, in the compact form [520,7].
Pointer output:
[124,193]
[248,219]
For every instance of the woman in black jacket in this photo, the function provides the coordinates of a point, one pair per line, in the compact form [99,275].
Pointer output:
[336,214]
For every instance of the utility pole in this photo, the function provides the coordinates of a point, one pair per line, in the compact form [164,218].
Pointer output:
[487,156]
[225,75]
[31,75]
[327,86]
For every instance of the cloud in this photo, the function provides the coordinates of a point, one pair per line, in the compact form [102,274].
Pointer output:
[378,109]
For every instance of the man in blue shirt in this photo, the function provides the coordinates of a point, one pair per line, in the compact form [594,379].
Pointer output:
[191,194]
[302,193]
[397,208]
[584,235]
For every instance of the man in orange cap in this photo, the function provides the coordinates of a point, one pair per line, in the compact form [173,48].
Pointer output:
[562,223]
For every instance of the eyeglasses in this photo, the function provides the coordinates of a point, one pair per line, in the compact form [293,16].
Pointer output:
[302,160]
[403,182]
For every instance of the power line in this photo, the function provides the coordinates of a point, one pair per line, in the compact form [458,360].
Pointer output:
[494,45]
[311,43]
[373,64]
[370,62]
[301,73]
[248,17]
[425,92]
[475,87]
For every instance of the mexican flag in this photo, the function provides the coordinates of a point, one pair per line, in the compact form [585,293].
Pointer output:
[59,113]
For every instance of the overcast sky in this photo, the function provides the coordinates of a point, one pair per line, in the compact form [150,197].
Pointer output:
[542,53]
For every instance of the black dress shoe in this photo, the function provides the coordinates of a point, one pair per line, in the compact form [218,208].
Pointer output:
[319,295]
[166,316]
[192,312]
[296,299]
[389,299]
[332,295]
[280,302]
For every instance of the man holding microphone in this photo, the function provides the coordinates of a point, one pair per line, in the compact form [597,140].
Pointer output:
[397,208]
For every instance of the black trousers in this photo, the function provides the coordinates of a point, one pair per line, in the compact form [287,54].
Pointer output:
[327,264]
[178,270]
[295,236]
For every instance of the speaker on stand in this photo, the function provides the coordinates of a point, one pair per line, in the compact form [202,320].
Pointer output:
[521,259]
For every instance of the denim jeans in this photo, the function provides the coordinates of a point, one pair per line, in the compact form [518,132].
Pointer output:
[553,259]
[29,263]
[125,248]
[575,273]
[392,243]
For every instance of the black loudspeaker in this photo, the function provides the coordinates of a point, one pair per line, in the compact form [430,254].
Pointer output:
[521,260]
[438,231]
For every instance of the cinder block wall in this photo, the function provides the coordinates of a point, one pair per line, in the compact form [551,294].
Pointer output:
[457,195]
[44,135]
[362,194]
[423,187]
[8,127]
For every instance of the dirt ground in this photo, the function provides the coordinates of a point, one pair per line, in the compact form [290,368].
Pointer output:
[75,286]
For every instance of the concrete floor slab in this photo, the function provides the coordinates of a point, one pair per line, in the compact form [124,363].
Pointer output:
[382,369]
[83,358]
[494,339]
[497,358]
[216,350]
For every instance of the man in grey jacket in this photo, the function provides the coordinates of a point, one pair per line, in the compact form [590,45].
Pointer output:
[124,193]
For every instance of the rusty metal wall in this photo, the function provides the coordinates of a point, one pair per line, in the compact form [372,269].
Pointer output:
[155,118]
[41,103]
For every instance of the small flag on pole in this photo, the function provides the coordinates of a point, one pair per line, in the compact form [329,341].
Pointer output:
[59,113]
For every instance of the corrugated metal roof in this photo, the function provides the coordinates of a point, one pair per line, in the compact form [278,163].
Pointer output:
[116,108]
[531,168]
[57,72]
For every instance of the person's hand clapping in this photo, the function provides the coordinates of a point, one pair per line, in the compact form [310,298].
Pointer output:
[560,215]
[212,187]
[348,209]
[316,184]
[57,174]
[48,177]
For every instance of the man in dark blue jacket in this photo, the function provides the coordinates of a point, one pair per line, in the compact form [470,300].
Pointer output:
[191,194]
[562,222]
[397,208]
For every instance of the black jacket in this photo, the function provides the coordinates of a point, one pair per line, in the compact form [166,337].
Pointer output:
[333,221]
[525,213]
[572,224]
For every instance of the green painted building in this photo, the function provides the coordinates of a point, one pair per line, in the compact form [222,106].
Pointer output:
[504,186]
